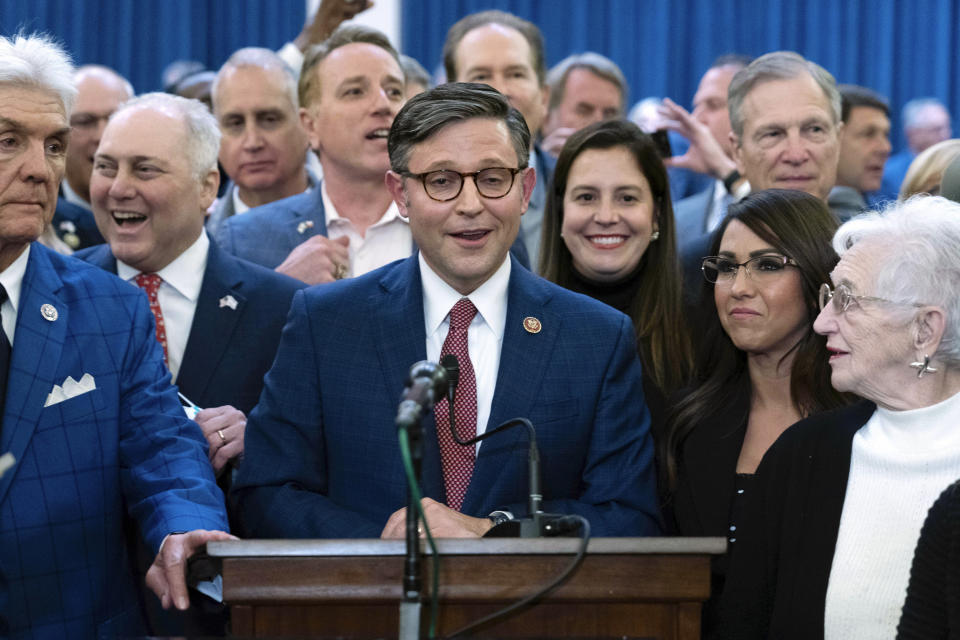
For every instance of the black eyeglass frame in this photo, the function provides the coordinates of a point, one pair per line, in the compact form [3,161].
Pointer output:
[785,261]
[422,177]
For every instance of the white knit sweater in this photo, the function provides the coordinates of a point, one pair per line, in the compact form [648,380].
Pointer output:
[901,461]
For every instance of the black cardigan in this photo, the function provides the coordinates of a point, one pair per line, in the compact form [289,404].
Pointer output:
[777,583]
[932,609]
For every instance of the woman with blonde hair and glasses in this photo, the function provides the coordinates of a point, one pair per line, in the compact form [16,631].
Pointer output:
[840,498]
[761,367]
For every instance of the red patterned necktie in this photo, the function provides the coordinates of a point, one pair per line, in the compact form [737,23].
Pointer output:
[458,459]
[150,283]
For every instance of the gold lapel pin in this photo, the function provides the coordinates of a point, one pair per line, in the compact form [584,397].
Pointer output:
[532,325]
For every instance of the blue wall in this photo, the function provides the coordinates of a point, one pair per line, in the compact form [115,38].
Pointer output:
[901,48]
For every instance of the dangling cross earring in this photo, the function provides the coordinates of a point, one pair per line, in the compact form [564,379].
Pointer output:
[923,367]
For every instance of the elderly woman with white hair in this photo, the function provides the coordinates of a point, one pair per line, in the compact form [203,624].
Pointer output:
[828,535]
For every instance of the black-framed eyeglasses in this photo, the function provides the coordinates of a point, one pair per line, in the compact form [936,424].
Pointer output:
[842,298]
[445,184]
[717,269]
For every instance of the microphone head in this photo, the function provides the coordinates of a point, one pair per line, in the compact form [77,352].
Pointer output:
[950,182]
[432,371]
[452,365]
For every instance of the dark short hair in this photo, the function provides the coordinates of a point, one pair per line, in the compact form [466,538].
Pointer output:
[852,95]
[465,25]
[309,85]
[429,112]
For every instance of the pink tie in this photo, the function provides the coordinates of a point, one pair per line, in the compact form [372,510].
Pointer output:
[150,283]
[457,459]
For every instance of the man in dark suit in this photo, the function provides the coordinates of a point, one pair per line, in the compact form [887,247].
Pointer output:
[100,90]
[154,177]
[322,453]
[89,413]
[506,52]
[350,89]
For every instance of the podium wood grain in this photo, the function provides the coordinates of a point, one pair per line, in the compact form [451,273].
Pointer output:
[636,587]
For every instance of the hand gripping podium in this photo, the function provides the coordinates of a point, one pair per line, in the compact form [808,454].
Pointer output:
[635,587]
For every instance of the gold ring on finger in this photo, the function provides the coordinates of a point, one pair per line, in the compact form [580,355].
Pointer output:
[223,438]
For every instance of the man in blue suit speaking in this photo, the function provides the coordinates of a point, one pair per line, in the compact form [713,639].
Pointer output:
[88,410]
[322,458]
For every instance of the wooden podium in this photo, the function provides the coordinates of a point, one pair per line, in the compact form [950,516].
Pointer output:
[634,587]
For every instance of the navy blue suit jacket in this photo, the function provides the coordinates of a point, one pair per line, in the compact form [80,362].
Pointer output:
[229,350]
[73,219]
[322,458]
[124,446]
[267,234]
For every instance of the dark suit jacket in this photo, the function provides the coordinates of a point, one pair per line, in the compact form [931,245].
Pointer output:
[777,584]
[322,458]
[266,235]
[229,350]
[124,446]
[690,215]
[73,220]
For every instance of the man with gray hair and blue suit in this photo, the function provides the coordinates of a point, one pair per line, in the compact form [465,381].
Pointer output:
[89,414]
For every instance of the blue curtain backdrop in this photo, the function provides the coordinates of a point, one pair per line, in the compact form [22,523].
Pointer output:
[901,48]
[139,38]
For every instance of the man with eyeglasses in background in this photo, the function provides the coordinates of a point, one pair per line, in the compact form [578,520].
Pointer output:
[323,459]
[100,90]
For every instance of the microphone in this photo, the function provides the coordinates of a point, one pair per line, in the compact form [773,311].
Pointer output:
[535,525]
[426,382]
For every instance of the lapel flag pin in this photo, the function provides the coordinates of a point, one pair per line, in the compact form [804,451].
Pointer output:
[49,312]
[303,226]
[532,325]
[228,301]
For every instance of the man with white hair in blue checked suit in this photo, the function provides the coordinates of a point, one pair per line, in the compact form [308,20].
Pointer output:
[89,413]
[322,456]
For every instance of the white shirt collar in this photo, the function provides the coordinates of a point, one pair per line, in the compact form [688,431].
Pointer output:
[181,274]
[72,196]
[12,278]
[330,212]
[239,206]
[490,298]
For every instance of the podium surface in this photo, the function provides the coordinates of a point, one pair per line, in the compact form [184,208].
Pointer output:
[635,587]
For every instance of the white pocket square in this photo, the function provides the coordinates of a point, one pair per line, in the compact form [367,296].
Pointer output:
[70,389]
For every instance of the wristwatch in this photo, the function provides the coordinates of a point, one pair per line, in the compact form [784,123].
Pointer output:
[499,517]
[731,180]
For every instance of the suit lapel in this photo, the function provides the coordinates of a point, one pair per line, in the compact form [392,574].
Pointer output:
[522,356]
[220,306]
[34,363]
[309,219]
[401,342]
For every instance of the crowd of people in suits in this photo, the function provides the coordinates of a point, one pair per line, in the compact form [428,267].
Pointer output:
[756,336]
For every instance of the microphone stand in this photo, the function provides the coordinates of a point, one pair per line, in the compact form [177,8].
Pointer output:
[410,605]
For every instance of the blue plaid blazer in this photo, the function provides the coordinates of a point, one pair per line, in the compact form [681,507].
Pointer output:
[81,463]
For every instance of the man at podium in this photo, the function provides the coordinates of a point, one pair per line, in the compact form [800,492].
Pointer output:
[322,454]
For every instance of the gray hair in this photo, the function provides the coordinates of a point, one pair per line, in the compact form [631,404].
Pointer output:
[921,257]
[778,65]
[35,61]
[309,85]
[429,112]
[598,65]
[910,116]
[202,130]
[101,70]
[414,72]
[264,59]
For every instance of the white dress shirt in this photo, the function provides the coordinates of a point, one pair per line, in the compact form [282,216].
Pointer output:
[386,240]
[12,280]
[72,196]
[177,296]
[484,336]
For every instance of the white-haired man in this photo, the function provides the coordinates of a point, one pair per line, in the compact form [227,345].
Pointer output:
[90,416]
